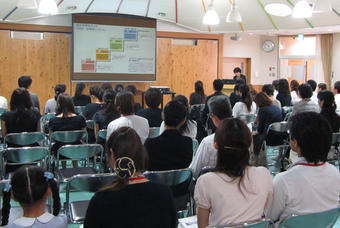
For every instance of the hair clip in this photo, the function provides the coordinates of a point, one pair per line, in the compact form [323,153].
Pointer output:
[48,176]
[7,187]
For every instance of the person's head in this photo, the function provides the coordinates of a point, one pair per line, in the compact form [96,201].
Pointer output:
[294,85]
[262,100]
[126,155]
[153,97]
[25,81]
[310,136]
[218,85]
[132,89]
[30,186]
[275,83]
[199,87]
[252,90]
[237,89]
[109,109]
[79,89]
[246,97]
[283,86]
[59,89]
[232,141]
[175,114]
[237,71]
[220,109]
[305,91]
[125,102]
[65,105]
[96,93]
[119,88]
[106,85]
[326,100]
[322,86]
[337,87]
[20,100]
[312,84]
[183,100]
[268,89]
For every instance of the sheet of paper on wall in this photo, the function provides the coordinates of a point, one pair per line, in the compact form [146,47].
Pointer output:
[189,222]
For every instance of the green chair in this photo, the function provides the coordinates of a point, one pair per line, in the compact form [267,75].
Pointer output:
[68,137]
[44,121]
[76,210]
[2,111]
[264,223]
[195,145]
[154,132]
[79,109]
[324,219]
[248,118]
[101,135]
[83,153]
[90,124]
[25,139]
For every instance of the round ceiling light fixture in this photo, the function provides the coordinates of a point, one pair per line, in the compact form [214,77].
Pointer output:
[278,9]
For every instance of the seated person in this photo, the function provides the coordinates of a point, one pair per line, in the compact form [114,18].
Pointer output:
[198,97]
[133,90]
[206,154]
[170,150]
[96,95]
[306,104]
[31,186]
[125,104]
[189,128]
[26,82]
[23,117]
[153,114]
[313,85]
[151,204]
[310,184]
[269,90]
[294,87]
[246,105]
[235,191]
[79,98]
[322,87]
[327,104]
[3,103]
[235,96]
[52,103]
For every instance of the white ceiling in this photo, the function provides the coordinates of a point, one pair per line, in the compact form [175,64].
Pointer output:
[189,14]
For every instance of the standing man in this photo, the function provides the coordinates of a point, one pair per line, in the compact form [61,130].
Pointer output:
[26,82]
[238,76]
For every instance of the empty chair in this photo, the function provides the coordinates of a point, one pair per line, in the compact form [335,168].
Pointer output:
[313,220]
[265,223]
[76,210]
[154,132]
[25,139]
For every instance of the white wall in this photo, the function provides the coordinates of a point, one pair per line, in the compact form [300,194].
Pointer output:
[251,47]
[336,58]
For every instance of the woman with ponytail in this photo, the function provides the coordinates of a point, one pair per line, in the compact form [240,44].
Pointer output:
[131,200]
[235,191]
[52,103]
[328,107]
[31,186]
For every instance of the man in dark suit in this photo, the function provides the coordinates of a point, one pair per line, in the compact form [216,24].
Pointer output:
[26,82]
[170,150]
[239,77]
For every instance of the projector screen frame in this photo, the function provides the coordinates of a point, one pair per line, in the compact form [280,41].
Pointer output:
[144,22]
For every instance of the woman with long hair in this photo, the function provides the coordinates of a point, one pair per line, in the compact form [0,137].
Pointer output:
[294,90]
[284,95]
[198,97]
[80,99]
[235,191]
[52,103]
[328,107]
[150,204]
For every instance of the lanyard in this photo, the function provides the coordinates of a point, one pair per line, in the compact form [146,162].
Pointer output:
[137,178]
[310,164]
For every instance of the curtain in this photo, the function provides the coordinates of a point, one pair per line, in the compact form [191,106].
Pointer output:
[326,44]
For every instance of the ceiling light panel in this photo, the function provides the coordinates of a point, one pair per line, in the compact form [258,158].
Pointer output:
[80,4]
[164,6]
[278,9]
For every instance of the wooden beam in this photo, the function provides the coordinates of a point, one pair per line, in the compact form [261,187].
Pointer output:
[241,23]
[35,28]
[205,10]
[120,4]
[148,8]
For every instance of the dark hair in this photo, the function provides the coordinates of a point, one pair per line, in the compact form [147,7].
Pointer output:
[20,100]
[262,100]
[337,86]
[218,85]
[237,70]
[64,105]
[119,88]
[200,90]
[109,109]
[132,89]
[153,97]
[58,89]
[237,87]
[322,86]
[275,83]
[29,185]
[252,90]
[125,102]
[25,81]
[174,113]
[312,84]
[97,92]
[184,101]
[313,135]
[129,154]
[246,97]
[294,85]
[283,86]
[233,140]
[79,89]
[220,107]
[106,85]
[328,109]
[305,91]
[268,89]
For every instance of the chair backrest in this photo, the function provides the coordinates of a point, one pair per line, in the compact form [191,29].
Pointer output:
[170,177]
[23,155]
[279,127]
[2,111]
[265,223]
[335,138]
[24,138]
[79,109]
[287,116]
[154,132]
[315,220]
[248,118]
[90,124]
[277,134]
[45,118]
[69,136]
[195,145]
[102,134]
[287,109]
[80,152]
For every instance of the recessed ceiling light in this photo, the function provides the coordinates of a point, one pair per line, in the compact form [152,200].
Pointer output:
[278,9]
[71,8]
[162,14]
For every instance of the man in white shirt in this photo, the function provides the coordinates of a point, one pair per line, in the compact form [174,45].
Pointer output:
[336,92]
[311,185]
[125,104]
[206,154]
